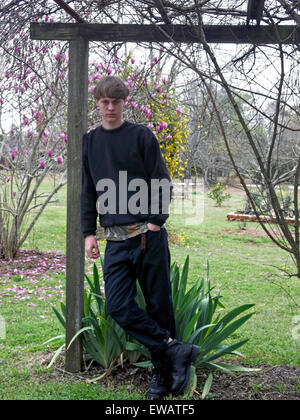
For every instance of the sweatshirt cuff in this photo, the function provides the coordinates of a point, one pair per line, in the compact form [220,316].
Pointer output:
[156,220]
[92,232]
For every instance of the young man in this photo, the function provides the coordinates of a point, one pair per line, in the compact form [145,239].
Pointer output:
[119,156]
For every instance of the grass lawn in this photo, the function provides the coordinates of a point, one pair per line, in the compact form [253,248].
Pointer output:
[242,264]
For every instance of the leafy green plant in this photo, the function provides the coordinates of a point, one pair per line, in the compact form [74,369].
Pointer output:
[198,323]
[218,195]
[286,200]
[263,204]
[196,318]
[259,201]
[102,338]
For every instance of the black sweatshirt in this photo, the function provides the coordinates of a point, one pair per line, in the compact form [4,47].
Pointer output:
[134,150]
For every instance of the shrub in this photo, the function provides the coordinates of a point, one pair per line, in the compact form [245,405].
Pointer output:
[217,194]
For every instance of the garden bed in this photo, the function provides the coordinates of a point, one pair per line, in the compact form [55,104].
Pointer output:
[281,382]
[240,217]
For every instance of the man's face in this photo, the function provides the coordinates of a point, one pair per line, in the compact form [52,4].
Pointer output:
[111,110]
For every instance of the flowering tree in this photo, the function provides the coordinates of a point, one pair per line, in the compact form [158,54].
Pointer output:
[32,97]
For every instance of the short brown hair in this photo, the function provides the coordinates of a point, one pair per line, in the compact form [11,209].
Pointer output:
[111,87]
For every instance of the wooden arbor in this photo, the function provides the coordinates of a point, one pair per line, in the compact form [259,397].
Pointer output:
[79,35]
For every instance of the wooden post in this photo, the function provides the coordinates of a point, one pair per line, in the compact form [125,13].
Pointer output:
[77,125]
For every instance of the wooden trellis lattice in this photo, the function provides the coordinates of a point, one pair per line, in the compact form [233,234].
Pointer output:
[79,35]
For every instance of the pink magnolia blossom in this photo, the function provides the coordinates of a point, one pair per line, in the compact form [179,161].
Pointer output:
[96,76]
[109,70]
[29,133]
[42,164]
[178,111]
[59,159]
[49,153]
[149,114]
[161,126]
[64,136]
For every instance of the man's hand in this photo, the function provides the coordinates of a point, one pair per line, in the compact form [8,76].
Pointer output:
[91,247]
[153,227]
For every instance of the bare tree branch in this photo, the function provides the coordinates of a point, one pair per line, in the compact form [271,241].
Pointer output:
[70,11]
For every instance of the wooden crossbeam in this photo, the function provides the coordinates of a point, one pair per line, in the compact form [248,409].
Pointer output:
[223,34]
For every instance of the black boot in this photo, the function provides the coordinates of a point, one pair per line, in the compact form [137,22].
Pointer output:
[158,387]
[180,356]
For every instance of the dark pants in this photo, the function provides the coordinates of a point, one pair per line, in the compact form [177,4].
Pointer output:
[124,263]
